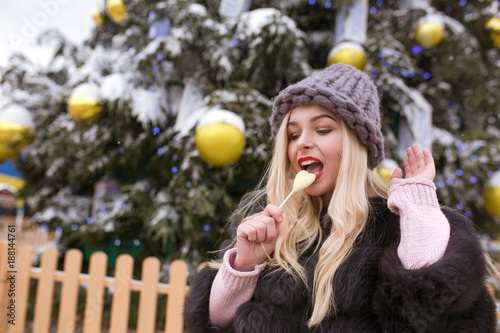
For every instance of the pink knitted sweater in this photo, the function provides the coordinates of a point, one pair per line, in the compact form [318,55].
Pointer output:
[424,237]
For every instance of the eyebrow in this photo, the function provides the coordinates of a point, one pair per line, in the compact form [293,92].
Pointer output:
[313,119]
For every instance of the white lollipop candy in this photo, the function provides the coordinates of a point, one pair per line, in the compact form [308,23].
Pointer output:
[302,180]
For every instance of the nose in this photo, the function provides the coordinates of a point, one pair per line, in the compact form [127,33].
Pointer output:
[305,142]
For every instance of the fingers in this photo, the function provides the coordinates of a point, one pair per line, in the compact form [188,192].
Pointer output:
[262,228]
[429,160]
[397,174]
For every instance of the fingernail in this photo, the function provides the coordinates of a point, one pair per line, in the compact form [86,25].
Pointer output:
[280,218]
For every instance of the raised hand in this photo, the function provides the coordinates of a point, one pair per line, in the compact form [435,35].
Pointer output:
[418,164]
[263,229]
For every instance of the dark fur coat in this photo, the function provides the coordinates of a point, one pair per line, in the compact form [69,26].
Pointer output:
[373,291]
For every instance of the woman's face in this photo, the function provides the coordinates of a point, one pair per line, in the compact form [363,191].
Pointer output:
[315,144]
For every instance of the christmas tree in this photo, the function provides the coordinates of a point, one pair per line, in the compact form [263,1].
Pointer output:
[129,147]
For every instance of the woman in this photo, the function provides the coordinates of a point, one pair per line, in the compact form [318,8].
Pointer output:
[339,256]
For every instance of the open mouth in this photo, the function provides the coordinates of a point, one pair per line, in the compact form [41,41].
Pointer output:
[311,165]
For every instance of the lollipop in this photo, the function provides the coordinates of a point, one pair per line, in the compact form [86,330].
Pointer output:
[302,180]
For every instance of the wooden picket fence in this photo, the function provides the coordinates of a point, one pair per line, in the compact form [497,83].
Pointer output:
[95,281]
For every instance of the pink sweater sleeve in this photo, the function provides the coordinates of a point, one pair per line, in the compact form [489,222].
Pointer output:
[425,231]
[230,289]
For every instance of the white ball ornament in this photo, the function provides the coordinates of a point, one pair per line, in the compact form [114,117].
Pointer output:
[220,137]
[491,195]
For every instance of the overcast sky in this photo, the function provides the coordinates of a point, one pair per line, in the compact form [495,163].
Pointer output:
[22,20]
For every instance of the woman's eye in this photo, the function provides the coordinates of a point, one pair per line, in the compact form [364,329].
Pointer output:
[324,131]
[293,137]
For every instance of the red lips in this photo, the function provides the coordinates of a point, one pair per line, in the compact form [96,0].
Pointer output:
[311,158]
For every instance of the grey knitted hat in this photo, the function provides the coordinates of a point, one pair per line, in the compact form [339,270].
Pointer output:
[348,93]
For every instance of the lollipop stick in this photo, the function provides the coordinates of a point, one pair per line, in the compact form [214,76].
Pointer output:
[288,197]
[302,180]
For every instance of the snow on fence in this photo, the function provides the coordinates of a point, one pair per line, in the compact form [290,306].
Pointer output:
[95,282]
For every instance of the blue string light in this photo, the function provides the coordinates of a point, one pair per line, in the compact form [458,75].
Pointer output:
[175,169]
[467,213]
[388,64]
[462,3]
[449,181]
[90,220]
[473,158]
[328,5]
[234,42]
[374,74]
[59,229]
[152,89]
[373,10]
[161,151]
[312,2]
[155,68]
[459,172]
[473,179]
[460,206]
[440,184]
[74,227]
[206,227]
[45,227]
[379,3]
[156,130]
[121,150]
[137,242]
[416,49]
[427,75]
[175,157]
[104,210]
[395,70]
[24,159]
[159,57]
[104,157]
[404,72]
[118,242]
[68,191]
[381,55]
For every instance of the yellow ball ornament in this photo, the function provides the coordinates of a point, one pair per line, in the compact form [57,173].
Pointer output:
[491,195]
[16,129]
[220,138]
[493,26]
[348,53]
[386,169]
[6,153]
[428,34]
[116,10]
[97,16]
[84,105]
